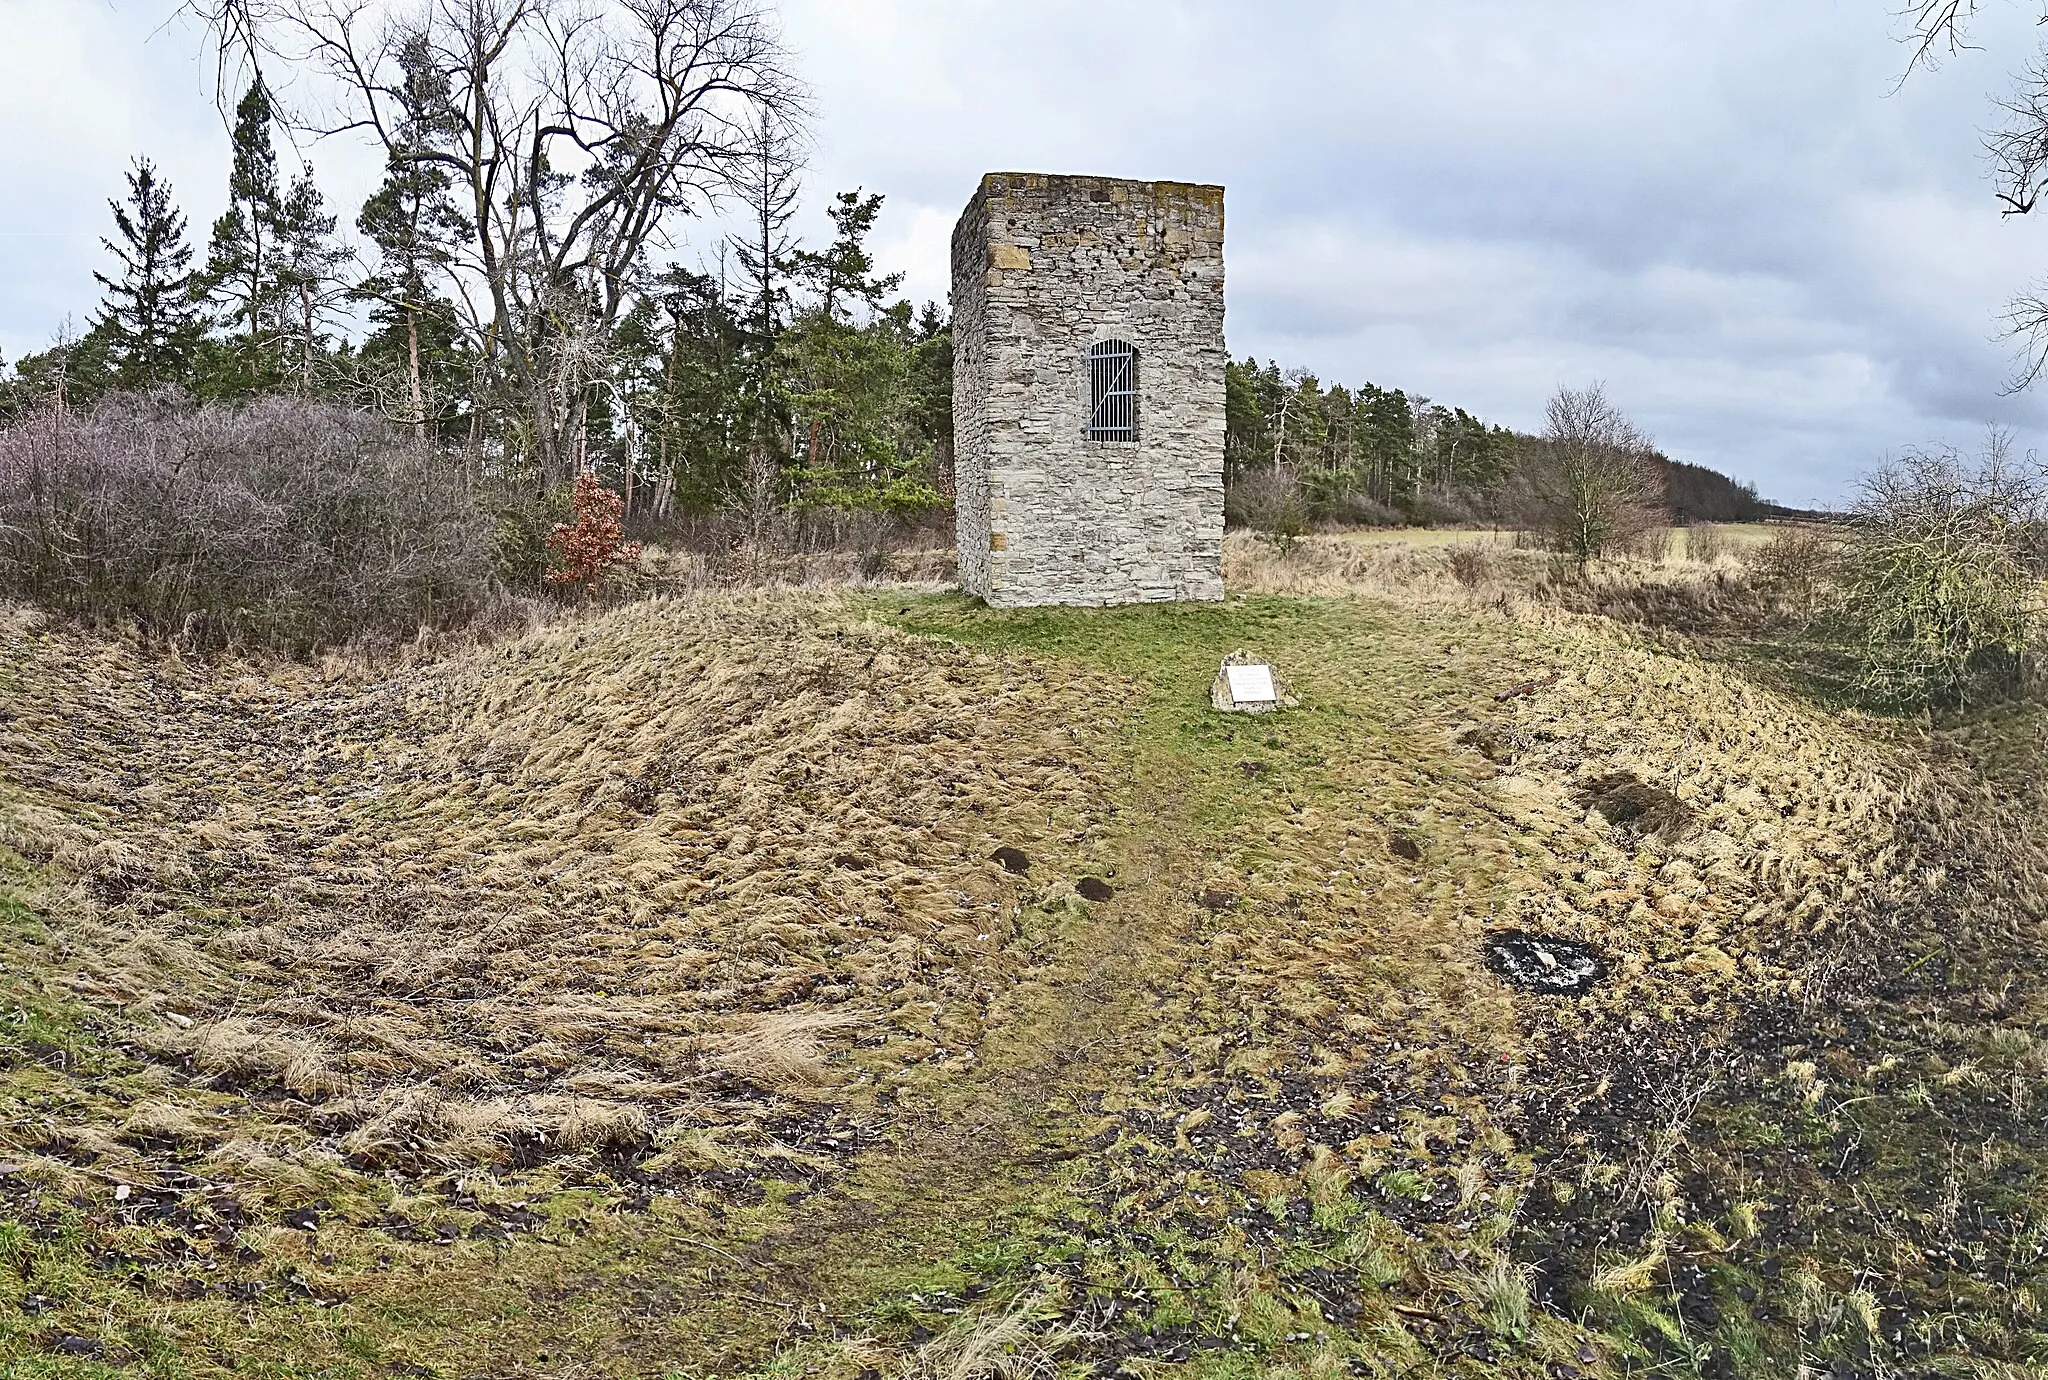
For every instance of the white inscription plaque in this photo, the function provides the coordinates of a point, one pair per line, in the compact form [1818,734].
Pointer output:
[1250,684]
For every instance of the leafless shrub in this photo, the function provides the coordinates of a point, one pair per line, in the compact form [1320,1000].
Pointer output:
[1936,594]
[1652,544]
[1351,508]
[1470,563]
[285,523]
[1705,542]
[1796,565]
[755,506]
[1272,503]
[868,532]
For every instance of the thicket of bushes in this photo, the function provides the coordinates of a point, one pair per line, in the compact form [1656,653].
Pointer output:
[291,524]
[282,523]
[1937,580]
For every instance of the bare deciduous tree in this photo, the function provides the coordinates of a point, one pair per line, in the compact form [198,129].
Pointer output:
[2018,149]
[1594,476]
[577,132]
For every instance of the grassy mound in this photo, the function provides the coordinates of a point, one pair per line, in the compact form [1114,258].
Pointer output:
[644,995]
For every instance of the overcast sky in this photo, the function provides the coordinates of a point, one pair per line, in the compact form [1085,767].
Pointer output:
[1781,266]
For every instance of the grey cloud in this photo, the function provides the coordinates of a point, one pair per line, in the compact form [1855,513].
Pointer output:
[1784,266]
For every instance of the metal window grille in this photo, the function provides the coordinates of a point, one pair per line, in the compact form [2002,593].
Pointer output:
[1112,391]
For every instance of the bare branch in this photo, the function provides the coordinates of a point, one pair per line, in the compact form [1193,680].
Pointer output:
[579,131]
[1938,28]
[2025,320]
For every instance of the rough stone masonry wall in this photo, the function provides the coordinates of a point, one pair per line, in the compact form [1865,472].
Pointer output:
[1044,267]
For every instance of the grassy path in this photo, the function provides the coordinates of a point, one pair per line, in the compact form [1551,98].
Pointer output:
[985,1161]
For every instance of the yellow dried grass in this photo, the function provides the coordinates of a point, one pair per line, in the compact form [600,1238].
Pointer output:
[595,861]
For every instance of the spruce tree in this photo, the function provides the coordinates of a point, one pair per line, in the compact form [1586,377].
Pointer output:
[849,386]
[240,274]
[149,315]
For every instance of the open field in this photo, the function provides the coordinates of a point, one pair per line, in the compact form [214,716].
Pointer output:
[1737,536]
[641,993]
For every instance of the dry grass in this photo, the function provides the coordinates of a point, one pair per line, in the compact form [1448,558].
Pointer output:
[1012,1342]
[1753,865]
[556,899]
[1668,589]
[1771,820]
[674,569]
[691,887]
[1732,847]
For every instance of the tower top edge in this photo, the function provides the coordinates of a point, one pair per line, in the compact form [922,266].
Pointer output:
[1003,183]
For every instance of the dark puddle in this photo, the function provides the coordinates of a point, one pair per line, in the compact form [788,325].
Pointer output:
[1542,963]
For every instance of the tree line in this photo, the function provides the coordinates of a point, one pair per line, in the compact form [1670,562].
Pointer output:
[1297,450]
[518,294]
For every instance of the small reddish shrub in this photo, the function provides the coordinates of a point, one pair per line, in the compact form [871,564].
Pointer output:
[586,549]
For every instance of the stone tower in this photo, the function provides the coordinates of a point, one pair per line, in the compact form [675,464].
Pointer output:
[1088,390]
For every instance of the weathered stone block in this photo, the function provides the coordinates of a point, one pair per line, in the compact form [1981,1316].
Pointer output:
[1044,268]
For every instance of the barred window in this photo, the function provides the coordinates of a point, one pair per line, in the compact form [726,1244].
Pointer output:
[1112,391]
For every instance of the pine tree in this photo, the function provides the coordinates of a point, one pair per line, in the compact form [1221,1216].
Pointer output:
[413,222]
[308,263]
[842,275]
[149,315]
[851,374]
[240,274]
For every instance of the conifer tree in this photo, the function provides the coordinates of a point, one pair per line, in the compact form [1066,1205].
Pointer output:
[767,181]
[851,365]
[308,263]
[843,274]
[414,224]
[149,315]
[240,274]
